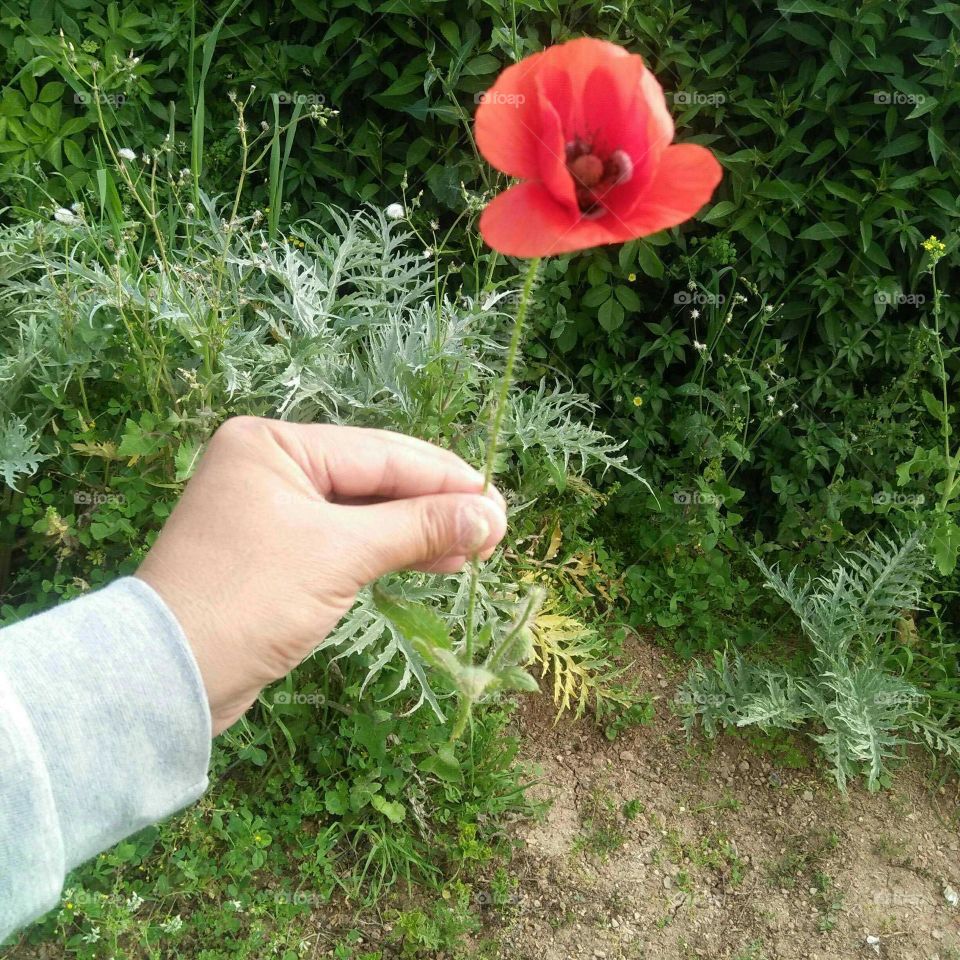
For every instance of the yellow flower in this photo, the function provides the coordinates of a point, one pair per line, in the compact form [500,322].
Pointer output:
[638,401]
[934,246]
[631,277]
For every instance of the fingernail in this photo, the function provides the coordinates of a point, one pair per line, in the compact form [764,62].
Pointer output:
[477,521]
[497,498]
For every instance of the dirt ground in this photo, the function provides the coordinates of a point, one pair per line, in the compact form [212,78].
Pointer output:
[656,848]
[653,848]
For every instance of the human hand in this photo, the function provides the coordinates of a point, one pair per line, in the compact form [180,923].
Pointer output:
[281,526]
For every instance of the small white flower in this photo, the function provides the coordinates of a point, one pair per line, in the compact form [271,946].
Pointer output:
[769,398]
[93,936]
[779,413]
[691,284]
[428,253]
[697,345]
[739,298]
[236,905]
[172,924]
[769,308]
[66,217]
[125,153]
[794,406]
[395,211]
[134,902]
[694,314]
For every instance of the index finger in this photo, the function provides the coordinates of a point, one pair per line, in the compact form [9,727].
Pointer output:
[358,463]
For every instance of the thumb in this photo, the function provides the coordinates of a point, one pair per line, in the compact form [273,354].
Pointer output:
[435,534]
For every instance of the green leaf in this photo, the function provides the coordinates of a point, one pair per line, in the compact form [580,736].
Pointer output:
[925,106]
[516,678]
[906,143]
[337,801]
[482,65]
[185,460]
[403,85]
[934,405]
[443,764]
[945,544]
[51,92]
[395,812]
[650,263]
[718,211]
[824,231]
[627,297]
[370,732]
[421,626]
[19,454]
[596,296]
[610,315]
[414,620]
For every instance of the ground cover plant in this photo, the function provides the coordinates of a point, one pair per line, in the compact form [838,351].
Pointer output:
[121,356]
[236,208]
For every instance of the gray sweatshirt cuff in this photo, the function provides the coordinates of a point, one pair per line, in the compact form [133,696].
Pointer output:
[104,728]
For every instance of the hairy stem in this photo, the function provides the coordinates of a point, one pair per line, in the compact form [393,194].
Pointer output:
[496,421]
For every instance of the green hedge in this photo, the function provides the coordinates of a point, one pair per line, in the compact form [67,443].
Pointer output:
[838,129]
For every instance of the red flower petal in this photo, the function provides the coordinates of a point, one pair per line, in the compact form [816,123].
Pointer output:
[575,61]
[684,181]
[527,221]
[552,157]
[507,124]
[599,94]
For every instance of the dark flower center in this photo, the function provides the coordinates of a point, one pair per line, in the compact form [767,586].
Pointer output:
[594,176]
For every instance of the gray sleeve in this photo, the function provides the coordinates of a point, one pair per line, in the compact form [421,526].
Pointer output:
[104,728]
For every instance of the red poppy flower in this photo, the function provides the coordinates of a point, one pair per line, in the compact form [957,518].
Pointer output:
[585,126]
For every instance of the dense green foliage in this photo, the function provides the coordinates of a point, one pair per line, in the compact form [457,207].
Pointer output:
[838,132]
[866,713]
[781,372]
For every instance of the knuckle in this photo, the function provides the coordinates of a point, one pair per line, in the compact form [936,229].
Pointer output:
[239,425]
[436,523]
[238,430]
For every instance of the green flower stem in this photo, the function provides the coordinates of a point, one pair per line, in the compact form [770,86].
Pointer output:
[950,461]
[462,718]
[493,441]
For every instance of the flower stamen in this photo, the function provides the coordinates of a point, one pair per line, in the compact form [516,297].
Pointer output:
[594,176]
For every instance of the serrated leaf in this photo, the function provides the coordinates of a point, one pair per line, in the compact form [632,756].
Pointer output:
[187,456]
[421,626]
[19,455]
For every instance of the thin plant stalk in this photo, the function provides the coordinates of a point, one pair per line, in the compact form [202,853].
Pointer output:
[950,461]
[496,421]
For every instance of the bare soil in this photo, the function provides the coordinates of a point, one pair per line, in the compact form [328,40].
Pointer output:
[653,847]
